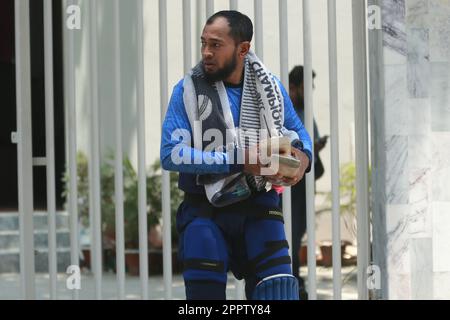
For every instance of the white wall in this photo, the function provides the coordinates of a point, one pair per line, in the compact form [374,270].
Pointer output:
[412,203]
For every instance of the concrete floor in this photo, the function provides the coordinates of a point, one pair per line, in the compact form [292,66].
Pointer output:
[10,286]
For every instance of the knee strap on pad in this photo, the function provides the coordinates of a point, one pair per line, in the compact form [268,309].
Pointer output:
[204,252]
[277,287]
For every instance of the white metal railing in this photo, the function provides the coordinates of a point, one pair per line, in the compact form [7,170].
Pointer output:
[209,8]
[167,245]
[118,172]
[284,76]
[308,89]
[94,157]
[187,39]
[50,147]
[334,125]
[258,28]
[361,142]
[142,181]
[24,148]
[25,155]
[71,142]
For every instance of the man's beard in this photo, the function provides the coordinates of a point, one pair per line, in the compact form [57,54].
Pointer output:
[223,73]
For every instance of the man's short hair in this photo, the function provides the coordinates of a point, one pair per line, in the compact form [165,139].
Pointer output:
[241,27]
[296,76]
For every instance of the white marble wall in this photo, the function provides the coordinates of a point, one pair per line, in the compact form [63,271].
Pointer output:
[416,61]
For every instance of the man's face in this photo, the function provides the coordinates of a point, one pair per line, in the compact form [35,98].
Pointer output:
[219,50]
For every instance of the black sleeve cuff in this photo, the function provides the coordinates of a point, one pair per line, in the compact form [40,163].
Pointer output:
[299,145]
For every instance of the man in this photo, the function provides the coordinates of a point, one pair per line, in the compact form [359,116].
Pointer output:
[231,224]
[298,192]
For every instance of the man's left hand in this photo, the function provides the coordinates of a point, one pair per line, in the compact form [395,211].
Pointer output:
[300,172]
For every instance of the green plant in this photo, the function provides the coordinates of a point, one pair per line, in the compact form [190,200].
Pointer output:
[130,191]
[83,188]
[154,191]
[130,201]
[347,188]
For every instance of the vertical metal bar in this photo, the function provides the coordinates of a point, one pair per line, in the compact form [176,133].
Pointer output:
[187,36]
[187,54]
[334,125]
[95,192]
[284,71]
[310,211]
[209,8]
[91,211]
[167,245]
[24,147]
[142,177]
[377,148]
[234,5]
[66,93]
[71,133]
[361,137]
[259,42]
[50,146]
[240,289]
[198,29]
[118,174]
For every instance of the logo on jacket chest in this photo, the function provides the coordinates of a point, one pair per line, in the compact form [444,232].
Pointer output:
[204,107]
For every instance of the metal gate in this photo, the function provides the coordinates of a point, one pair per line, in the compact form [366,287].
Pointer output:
[23,137]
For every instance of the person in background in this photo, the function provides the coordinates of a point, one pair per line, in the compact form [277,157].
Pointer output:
[298,191]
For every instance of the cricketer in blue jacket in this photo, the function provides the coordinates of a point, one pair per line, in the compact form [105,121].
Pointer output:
[247,238]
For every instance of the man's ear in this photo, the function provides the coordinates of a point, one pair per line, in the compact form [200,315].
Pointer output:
[244,48]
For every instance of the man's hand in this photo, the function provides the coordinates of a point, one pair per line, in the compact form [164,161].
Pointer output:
[300,172]
[253,166]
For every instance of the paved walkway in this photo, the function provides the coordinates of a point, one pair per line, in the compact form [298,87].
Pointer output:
[10,286]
